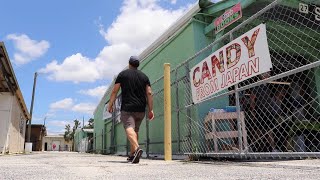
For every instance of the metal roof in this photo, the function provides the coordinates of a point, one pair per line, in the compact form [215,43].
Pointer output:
[8,80]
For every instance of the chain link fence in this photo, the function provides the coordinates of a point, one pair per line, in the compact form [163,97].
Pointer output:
[275,114]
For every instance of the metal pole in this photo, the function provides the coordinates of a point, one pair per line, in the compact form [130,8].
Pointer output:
[31,108]
[82,122]
[167,114]
[102,144]
[178,110]
[238,112]
[148,139]
[44,121]
[187,84]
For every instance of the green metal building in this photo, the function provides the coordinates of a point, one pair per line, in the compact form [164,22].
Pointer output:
[82,141]
[181,43]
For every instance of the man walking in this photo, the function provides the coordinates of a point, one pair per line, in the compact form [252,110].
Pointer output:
[136,94]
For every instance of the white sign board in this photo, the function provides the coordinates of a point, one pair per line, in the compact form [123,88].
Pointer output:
[106,114]
[243,58]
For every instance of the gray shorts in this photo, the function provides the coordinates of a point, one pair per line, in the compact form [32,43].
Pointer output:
[132,119]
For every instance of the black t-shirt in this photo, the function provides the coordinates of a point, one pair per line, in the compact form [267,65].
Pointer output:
[133,90]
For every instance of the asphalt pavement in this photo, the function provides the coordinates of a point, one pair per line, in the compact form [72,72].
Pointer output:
[72,165]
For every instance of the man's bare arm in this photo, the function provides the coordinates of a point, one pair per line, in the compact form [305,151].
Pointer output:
[150,102]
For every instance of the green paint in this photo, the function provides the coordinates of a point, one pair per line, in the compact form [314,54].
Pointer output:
[184,44]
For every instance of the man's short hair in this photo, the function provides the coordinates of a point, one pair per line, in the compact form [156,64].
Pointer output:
[134,61]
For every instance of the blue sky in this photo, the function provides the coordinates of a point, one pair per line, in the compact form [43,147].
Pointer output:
[78,47]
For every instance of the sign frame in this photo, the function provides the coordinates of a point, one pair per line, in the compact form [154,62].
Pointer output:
[243,58]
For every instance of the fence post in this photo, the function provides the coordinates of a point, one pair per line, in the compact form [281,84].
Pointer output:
[188,99]
[238,113]
[102,139]
[178,109]
[147,140]
[167,114]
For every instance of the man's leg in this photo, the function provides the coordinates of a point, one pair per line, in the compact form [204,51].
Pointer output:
[132,149]
[132,137]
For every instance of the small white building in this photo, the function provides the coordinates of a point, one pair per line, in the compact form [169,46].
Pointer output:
[13,111]
[56,143]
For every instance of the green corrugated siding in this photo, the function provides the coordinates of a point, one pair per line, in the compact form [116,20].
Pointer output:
[98,127]
[183,45]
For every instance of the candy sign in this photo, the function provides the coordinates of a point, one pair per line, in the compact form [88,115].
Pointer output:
[241,59]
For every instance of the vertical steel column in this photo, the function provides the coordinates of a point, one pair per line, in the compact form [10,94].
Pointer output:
[147,138]
[127,147]
[167,114]
[112,142]
[102,144]
[189,138]
[178,109]
[238,113]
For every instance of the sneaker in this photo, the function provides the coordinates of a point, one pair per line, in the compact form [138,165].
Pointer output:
[137,156]
[130,158]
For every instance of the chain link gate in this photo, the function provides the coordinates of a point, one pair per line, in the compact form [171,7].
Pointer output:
[276,114]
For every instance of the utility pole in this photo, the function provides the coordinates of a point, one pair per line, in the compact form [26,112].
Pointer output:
[44,121]
[82,122]
[31,108]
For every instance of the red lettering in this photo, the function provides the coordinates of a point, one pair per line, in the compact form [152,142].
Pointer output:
[236,73]
[243,71]
[253,66]
[250,43]
[215,62]
[237,48]
[207,89]
[205,72]
[229,78]
[195,82]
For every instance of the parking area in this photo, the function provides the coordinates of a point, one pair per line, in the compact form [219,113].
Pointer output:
[71,165]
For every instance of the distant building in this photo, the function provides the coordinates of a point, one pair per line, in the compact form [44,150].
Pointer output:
[13,110]
[38,132]
[83,140]
[56,143]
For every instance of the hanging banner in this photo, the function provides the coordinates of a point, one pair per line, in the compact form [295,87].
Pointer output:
[106,114]
[243,58]
[227,18]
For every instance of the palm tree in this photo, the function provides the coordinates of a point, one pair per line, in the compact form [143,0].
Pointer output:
[90,124]
[67,134]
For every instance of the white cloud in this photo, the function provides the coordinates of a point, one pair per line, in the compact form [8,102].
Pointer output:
[57,123]
[139,23]
[95,92]
[54,131]
[173,1]
[27,49]
[69,105]
[87,108]
[65,104]
[76,68]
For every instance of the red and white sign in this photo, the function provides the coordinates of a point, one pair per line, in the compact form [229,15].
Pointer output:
[243,58]
[227,18]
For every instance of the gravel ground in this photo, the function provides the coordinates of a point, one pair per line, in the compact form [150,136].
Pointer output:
[70,165]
